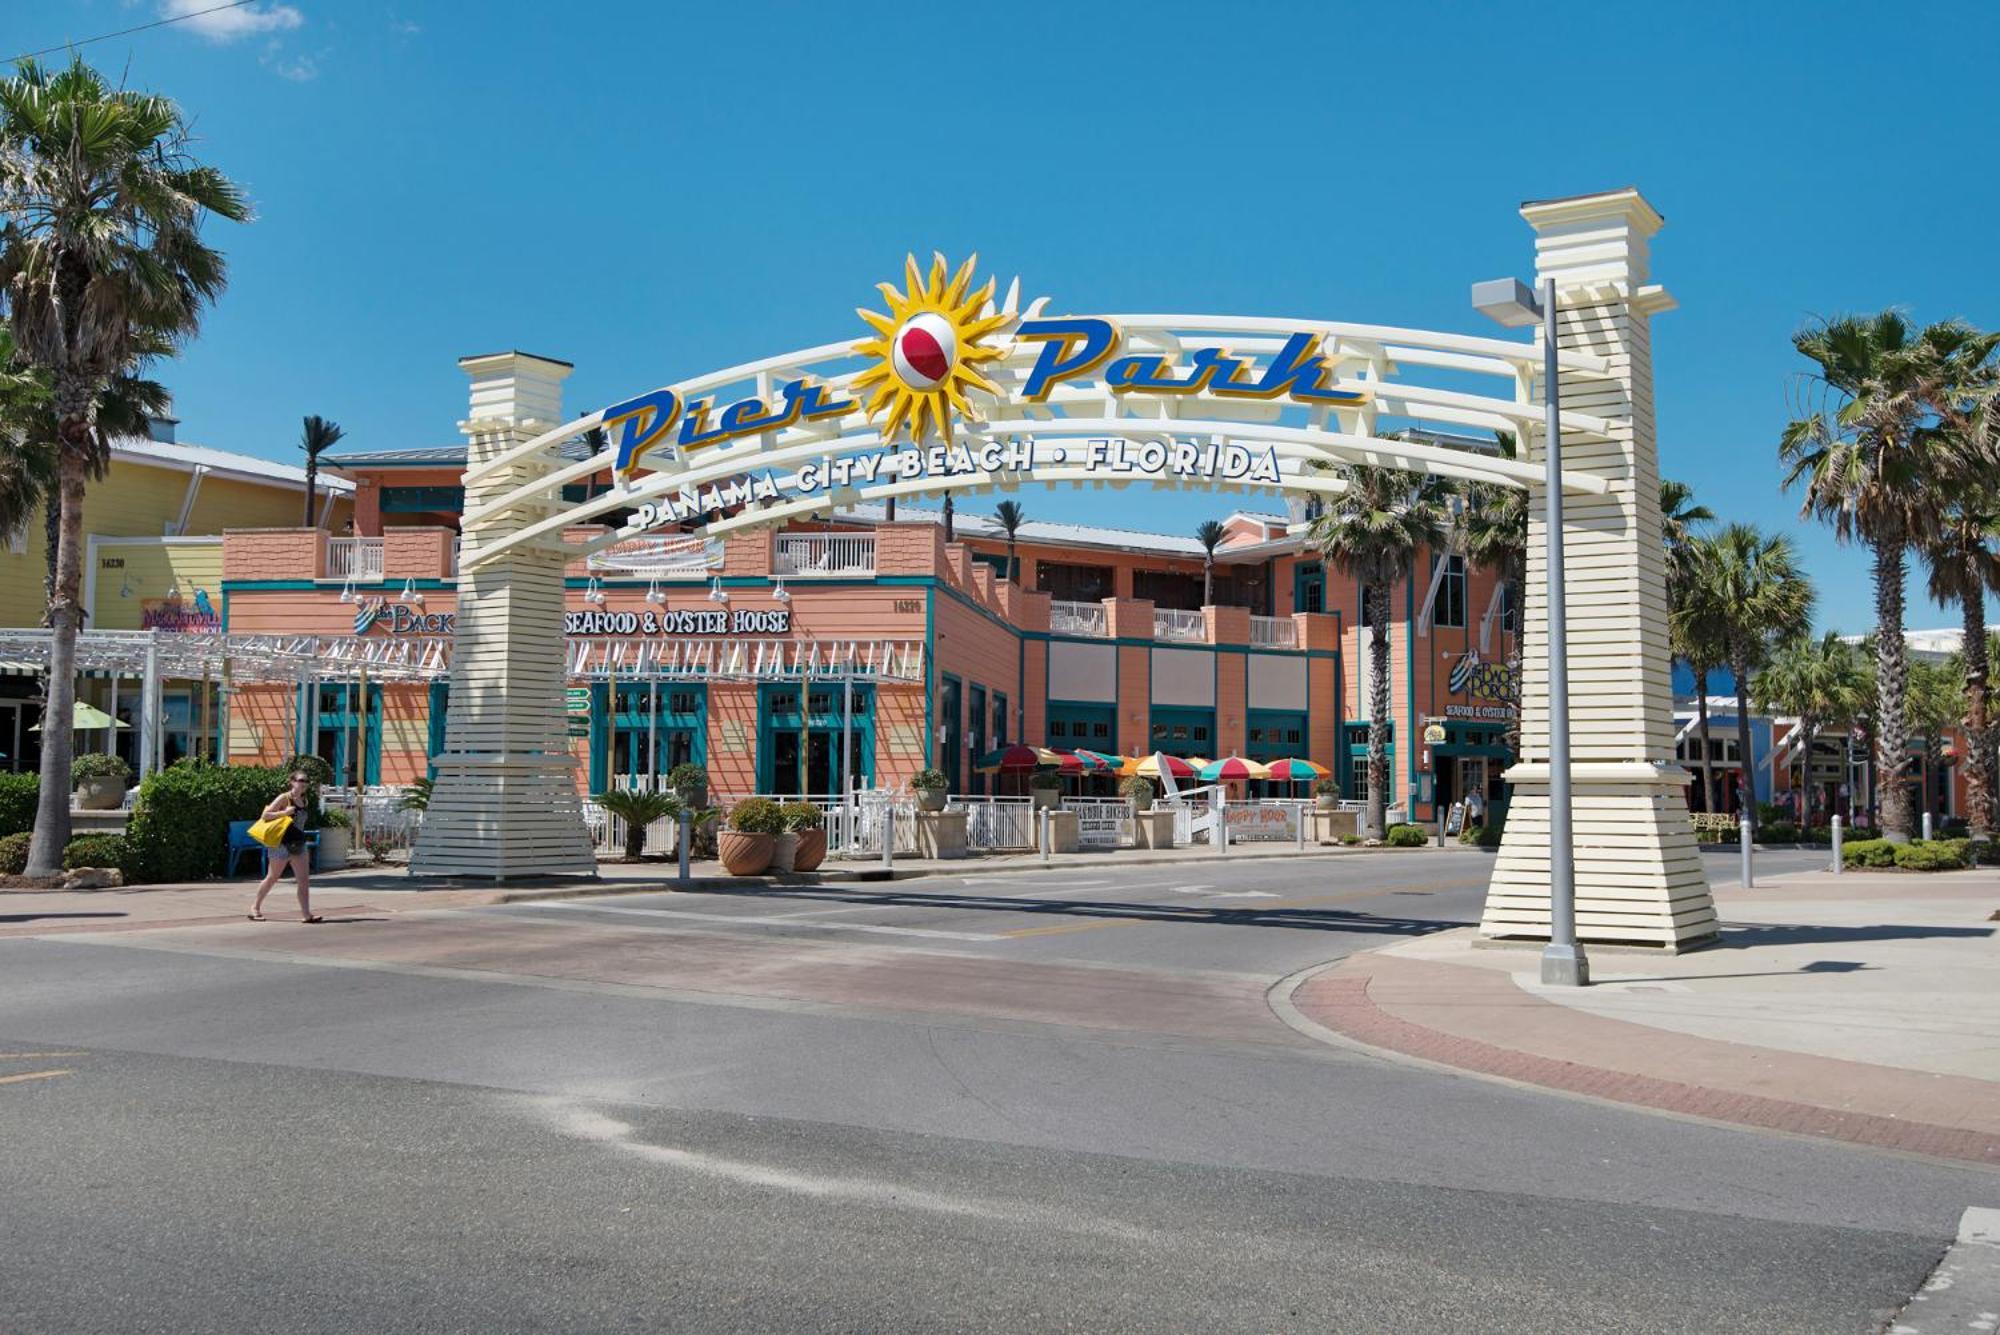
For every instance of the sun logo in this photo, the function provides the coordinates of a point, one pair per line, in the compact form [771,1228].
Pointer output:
[928,353]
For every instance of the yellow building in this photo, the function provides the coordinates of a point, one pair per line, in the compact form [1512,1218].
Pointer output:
[153,528]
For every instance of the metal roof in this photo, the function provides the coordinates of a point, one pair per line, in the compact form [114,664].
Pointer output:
[164,454]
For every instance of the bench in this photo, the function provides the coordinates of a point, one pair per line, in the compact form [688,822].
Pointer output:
[240,843]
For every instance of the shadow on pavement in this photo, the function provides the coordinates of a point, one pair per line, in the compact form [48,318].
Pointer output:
[48,917]
[1322,920]
[1791,934]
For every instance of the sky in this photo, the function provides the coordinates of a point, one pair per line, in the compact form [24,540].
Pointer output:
[653,191]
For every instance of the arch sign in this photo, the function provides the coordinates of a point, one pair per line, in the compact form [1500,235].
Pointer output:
[952,389]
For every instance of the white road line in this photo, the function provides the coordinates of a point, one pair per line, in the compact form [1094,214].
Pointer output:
[741,920]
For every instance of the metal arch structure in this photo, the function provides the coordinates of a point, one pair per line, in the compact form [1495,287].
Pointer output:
[795,438]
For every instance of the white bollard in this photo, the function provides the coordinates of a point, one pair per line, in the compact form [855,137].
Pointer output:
[1836,846]
[1048,835]
[1927,827]
[685,838]
[1300,814]
[1743,838]
[888,838]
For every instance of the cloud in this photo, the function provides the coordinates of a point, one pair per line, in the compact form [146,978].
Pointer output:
[404,27]
[299,69]
[228,25]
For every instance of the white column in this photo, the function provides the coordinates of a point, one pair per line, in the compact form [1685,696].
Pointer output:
[1639,876]
[506,802]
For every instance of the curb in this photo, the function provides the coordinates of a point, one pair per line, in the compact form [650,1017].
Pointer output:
[1963,1292]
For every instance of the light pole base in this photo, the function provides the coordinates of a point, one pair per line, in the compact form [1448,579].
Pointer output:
[1565,966]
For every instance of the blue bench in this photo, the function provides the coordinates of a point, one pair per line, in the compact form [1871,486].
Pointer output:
[240,843]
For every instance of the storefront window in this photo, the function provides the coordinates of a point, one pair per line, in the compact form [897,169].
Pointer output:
[1074,583]
[1448,606]
[799,752]
[976,737]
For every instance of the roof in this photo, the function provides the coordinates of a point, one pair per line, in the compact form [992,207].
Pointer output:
[1036,530]
[433,456]
[161,454]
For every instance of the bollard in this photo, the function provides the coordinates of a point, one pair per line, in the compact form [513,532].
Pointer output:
[1300,814]
[888,838]
[1221,828]
[1927,827]
[685,838]
[1743,837]
[1048,836]
[1836,846]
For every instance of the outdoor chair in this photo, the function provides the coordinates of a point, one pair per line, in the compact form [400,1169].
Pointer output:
[240,843]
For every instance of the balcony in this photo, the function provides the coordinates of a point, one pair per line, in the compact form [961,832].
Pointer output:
[357,559]
[824,555]
[1078,619]
[1182,627]
[1274,632]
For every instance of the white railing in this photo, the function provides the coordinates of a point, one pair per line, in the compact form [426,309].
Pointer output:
[809,554]
[354,558]
[1185,626]
[679,554]
[997,822]
[1077,619]
[1274,632]
[1103,822]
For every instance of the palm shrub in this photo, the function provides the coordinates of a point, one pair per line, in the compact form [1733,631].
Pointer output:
[101,256]
[638,808]
[1374,530]
[417,797]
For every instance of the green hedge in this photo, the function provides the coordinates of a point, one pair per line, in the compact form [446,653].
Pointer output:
[1936,855]
[180,825]
[1778,832]
[95,850]
[1407,836]
[18,793]
[14,853]
[1867,853]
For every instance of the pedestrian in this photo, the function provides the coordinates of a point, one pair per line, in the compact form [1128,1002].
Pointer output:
[1475,807]
[291,851]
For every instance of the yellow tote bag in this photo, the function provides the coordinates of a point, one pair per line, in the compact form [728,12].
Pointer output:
[270,832]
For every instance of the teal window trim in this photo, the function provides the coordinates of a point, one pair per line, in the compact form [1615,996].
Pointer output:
[1188,718]
[645,709]
[1086,716]
[422,500]
[438,713]
[342,720]
[1306,573]
[805,720]
[954,729]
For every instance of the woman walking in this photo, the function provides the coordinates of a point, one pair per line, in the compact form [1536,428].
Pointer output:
[293,802]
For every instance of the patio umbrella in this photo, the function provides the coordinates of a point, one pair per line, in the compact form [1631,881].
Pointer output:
[1011,758]
[1098,762]
[1233,767]
[83,716]
[1292,770]
[1062,762]
[1151,766]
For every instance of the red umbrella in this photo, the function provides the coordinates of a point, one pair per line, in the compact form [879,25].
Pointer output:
[1012,758]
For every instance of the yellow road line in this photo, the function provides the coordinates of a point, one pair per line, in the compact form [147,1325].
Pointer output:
[32,1075]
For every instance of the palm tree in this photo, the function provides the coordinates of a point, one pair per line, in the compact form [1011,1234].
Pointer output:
[27,451]
[1678,517]
[1937,701]
[1491,528]
[1690,641]
[1873,470]
[638,808]
[1210,536]
[1373,531]
[1964,560]
[317,437]
[1824,683]
[101,253]
[948,534]
[1696,636]
[1759,597]
[1010,516]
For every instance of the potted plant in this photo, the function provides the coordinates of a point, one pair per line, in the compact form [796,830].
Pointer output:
[336,838]
[751,841]
[930,788]
[1139,789]
[639,809]
[1326,793]
[802,846]
[1044,785]
[689,782]
[100,780]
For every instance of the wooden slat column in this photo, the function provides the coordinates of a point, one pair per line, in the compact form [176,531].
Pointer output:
[1639,877]
[506,804]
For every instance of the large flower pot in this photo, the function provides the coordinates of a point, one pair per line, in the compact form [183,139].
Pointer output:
[1045,797]
[1324,802]
[100,794]
[335,843]
[931,799]
[745,854]
[783,851]
[811,850]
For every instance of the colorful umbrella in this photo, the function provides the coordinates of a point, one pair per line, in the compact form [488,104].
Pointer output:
[1098,762]
[1151,766]
[1233,767]
[1062,762]
[1011,757]
[1296,771]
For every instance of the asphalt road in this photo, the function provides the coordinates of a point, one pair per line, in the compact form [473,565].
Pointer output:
[1041,1101]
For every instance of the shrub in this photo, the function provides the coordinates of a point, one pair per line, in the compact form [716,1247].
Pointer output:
[1779,832]
[99,765]
[1137,786]
[1041,778]
[18,794]
[1983,853]
[1770,813]
[95,850]
[686,779]
[1817,834]
[179,829]
[316,769]
[1937,855]
[14,853]
[638,809]
[1867,853]
[799,816]
[336,818]
[757,815]
[1860,832]
[933,780]
[1407,836]
[1326,787]
[1350,839]
[417,797]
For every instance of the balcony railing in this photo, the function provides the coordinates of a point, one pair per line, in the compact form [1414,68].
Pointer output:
[1077,619]
[1274,632]
[662,558]
[357,559]
[1188,627]
[806,555]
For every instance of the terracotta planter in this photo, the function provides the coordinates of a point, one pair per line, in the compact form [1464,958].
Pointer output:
[783,851]
[745,854]
[811,850]
[99,794]
[931,799]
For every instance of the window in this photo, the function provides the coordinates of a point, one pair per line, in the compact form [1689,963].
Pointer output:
[999,721]
[1309,588]
[1168,590]
[1073,583]
[1448,605]
[1074,725]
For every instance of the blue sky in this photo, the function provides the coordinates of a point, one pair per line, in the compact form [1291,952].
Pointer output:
[653,191]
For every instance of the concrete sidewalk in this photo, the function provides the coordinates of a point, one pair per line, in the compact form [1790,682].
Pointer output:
[1863,1008]
[390,890]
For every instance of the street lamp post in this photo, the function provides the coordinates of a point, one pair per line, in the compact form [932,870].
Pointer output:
[1510,302]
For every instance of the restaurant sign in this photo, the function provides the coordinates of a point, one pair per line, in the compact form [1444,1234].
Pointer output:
[396,619]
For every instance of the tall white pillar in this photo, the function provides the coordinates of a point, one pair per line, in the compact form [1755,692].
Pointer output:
[505,803]
[1639,877]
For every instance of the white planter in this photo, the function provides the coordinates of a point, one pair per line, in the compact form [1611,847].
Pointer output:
[783,853]
[335,843]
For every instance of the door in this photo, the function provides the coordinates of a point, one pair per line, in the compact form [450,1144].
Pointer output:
[822,780]
[784,770]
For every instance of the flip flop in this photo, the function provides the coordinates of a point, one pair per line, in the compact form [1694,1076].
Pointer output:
[254,917]
[314,918]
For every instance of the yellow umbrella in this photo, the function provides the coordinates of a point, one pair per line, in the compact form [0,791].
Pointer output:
[1150,766]
[84,716]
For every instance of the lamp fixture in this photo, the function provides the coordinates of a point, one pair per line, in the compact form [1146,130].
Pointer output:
[347,591]
[410,594]
[173,591]
[125,588]
[781,593]
[653,594]
[594,592]
[716,593]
